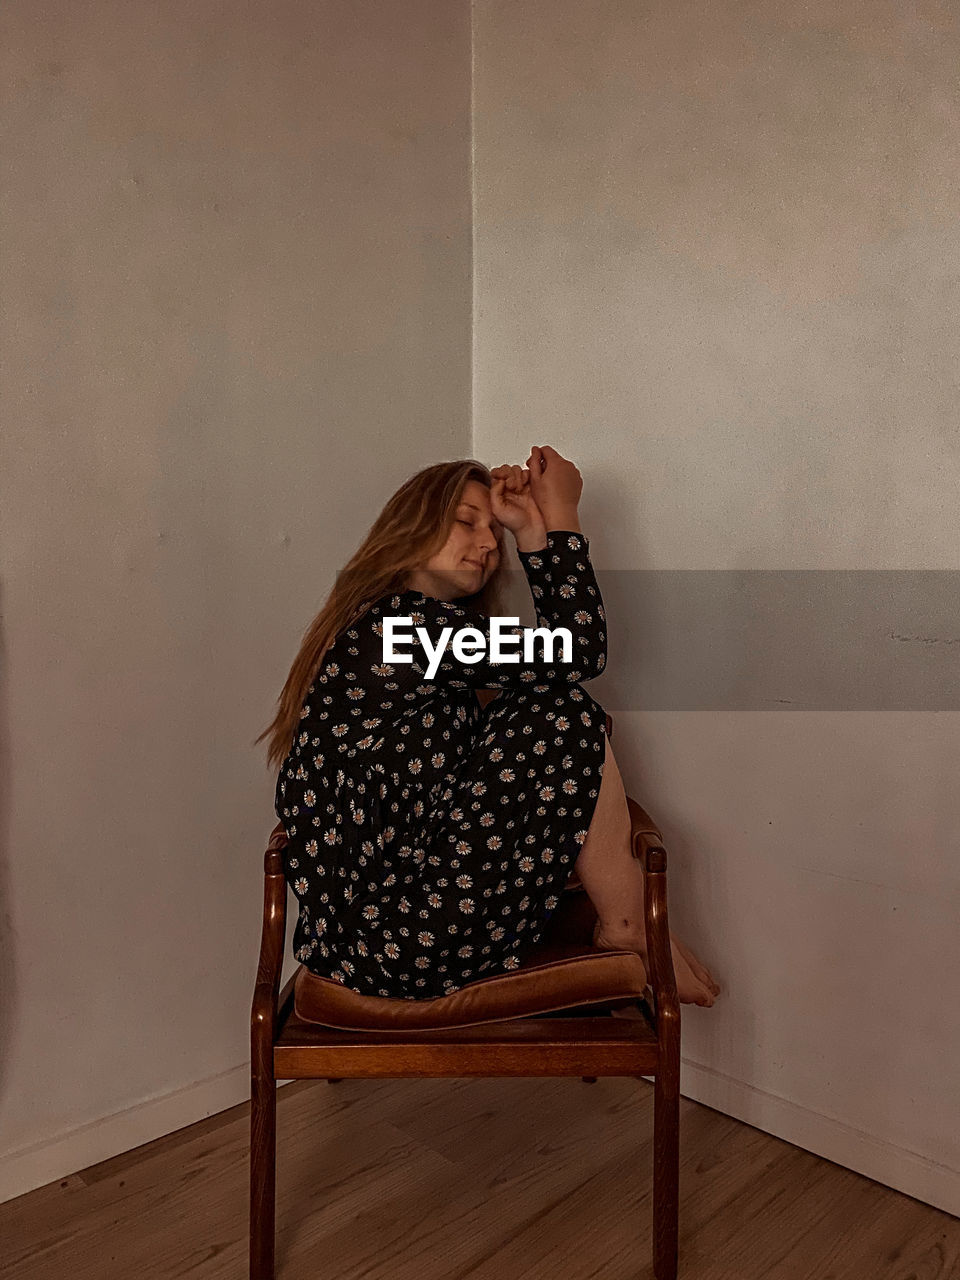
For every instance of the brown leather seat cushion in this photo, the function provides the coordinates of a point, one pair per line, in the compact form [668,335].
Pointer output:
[563,971]
[556,976]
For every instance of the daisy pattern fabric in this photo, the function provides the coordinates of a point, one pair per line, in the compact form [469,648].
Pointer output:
[430,838]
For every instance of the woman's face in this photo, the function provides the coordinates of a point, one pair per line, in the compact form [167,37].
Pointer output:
[471,553]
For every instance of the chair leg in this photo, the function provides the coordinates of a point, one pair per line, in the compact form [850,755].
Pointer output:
[666,1177]
[263,1180]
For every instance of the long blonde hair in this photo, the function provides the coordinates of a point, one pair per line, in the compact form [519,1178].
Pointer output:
[413,526]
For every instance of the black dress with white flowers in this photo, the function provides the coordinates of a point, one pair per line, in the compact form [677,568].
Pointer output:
[430,838]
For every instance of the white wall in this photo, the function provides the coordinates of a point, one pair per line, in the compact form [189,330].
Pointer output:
[715,263]
[236,283]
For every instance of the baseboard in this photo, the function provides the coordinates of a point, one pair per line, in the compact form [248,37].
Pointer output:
[41,1162]
[908,1171]
[897,1167]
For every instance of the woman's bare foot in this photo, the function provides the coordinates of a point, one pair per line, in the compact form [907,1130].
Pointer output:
[695,983]
[698,968]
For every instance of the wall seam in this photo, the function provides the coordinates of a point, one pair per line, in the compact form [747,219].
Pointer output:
[473,234]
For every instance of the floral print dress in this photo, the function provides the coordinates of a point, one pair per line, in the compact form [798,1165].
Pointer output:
[430,838]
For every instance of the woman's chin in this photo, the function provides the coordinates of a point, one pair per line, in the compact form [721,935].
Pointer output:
[473,582]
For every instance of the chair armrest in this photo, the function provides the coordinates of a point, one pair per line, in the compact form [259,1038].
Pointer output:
[263,1012]
[642,824]
[647,844]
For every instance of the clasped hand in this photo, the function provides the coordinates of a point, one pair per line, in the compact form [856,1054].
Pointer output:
[523,499]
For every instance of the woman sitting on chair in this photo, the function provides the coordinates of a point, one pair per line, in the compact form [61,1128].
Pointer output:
[430,839]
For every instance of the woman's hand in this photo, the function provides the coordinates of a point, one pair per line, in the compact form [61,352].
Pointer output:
[556,485]
[512,502]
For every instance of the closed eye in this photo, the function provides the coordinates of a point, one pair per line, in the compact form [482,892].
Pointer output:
[470,523]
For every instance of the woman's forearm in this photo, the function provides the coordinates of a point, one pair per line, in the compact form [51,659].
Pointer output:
[562,518]
[534,536]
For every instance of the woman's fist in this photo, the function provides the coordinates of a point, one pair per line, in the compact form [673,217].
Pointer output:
[512,501]
[555,482]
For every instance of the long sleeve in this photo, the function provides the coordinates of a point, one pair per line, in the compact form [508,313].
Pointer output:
[565,594]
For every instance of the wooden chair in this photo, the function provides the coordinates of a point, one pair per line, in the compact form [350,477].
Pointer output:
[550,1017]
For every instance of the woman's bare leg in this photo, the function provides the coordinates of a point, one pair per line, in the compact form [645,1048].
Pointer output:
[613,880]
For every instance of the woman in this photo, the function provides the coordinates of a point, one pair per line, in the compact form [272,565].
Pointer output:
[429,840]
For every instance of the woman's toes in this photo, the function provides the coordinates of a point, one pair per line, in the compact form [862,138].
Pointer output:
[706,977]
[689,987]
[691,991]
[699,970]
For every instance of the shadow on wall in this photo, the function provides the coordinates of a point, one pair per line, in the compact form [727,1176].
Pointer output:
[8,975]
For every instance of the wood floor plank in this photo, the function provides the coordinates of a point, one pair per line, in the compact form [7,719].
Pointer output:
[473,1179]
[604,1228]
[539,1155]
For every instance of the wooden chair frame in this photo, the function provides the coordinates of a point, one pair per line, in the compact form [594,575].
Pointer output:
[282,1047]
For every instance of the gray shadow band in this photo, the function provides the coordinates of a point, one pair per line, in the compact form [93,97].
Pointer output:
[784,639]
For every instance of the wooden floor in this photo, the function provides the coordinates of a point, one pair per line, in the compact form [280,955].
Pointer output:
[491,1179]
